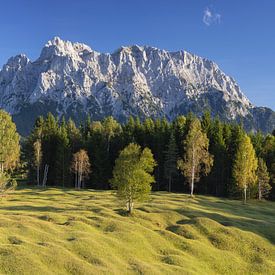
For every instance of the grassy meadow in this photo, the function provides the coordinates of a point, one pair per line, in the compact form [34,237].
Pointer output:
[62,231]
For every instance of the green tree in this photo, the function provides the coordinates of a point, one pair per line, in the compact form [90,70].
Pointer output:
[9,143]
[245,165]
[111,129]
[206,122]
[263,180]
[196,159]
[132,174]
[62,161]
[217,148]
[171,158]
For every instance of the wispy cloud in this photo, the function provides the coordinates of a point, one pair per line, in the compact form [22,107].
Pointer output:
[210,17]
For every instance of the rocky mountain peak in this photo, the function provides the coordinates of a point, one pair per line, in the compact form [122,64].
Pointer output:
[73,80]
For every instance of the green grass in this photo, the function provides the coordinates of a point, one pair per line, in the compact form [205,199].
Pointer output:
[57,231]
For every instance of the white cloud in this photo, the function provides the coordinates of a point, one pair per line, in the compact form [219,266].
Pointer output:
[209,17]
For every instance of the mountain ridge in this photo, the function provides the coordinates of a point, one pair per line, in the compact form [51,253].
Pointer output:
[73,80]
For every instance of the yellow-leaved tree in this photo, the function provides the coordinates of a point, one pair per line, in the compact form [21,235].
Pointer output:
[9,143]
[9,151]
[196,159]
[245,165]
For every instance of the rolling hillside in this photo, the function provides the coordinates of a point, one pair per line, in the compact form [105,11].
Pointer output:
[56,231]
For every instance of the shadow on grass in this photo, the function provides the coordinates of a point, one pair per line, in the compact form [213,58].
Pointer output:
[123,213]
[261,227]
[33,208]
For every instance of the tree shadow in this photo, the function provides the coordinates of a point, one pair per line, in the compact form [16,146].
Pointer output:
[262,227]
[34,208]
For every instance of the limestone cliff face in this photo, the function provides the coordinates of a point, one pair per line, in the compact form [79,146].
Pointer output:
[73,80]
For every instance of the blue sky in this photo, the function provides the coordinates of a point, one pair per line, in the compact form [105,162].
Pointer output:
[238,35]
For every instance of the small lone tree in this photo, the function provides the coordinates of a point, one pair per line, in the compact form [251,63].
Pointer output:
[37,159]
[132,174]
[263,180]
[81,167]
[196,159]
[170,164]
[245,165]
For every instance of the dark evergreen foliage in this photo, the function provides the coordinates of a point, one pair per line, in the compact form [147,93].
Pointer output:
[103,140]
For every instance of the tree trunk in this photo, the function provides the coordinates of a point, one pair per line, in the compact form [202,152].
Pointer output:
[193,172]
[108,144]
[80,174]
[130,205]
[46,169]
[169,186]
[76,176]
[38,175]
[245,194]
[260,191]
[63,168]
[80,180]
[76,180]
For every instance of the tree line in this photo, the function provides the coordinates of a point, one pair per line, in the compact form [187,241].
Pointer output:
[203,155]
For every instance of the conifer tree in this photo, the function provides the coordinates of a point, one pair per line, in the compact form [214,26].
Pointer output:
[62,162]
[263,180]
[171,158]
[206,122]
[129,131]
[196,159]
[217,148]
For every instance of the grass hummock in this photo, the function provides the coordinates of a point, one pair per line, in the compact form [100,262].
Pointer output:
[63,231]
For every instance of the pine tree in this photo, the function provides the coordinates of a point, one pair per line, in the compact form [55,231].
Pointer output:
[196,159]
[263,180]
[132,174]
[245,165]
[217,148]
[171,158]
[129,131]
[206,122]
[62,161]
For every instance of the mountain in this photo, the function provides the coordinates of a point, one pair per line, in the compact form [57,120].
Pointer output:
[73,80]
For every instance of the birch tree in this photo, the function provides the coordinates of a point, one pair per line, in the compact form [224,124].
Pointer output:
[245,165]
[37,159]
[111,129]
[132,174]
[196,158]
[81,167]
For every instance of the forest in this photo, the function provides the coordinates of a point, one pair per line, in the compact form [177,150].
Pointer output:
[49,156]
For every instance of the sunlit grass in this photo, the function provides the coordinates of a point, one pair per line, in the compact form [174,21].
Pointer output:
[56,231]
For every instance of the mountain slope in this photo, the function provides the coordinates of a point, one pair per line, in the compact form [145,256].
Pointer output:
[73,80]
[55,231]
